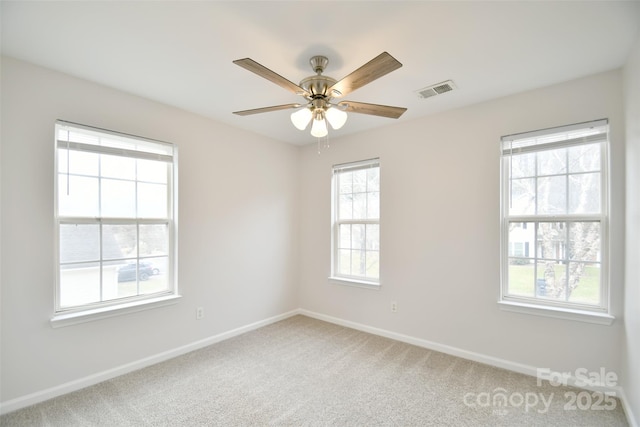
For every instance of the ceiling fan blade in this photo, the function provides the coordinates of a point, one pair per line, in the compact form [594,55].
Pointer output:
[373,109]
[262,71]
[372,70]
[266,109]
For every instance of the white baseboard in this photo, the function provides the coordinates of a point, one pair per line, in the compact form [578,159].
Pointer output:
[454,351]
[90,380]
[71,386]
[626,406]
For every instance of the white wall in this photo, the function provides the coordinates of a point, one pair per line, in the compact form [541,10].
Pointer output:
[631,360]
[440,229]
[254,248]
[237,235]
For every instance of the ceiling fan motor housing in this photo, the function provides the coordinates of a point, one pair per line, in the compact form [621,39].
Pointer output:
[317,85]
[318,63]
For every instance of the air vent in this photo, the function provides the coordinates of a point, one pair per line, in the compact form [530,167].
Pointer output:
[437,89]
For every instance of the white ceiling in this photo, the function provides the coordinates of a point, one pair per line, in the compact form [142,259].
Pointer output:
[180,52]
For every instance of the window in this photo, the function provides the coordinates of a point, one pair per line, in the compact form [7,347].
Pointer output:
[554,227]
[115,218]
[356,222]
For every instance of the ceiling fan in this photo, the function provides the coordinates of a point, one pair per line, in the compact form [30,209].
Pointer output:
[319,92]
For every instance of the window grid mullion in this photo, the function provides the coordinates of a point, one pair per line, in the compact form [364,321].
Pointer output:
[535,188]
[137,257]
[567,196]
[566,259]
[101,262]
[101,269]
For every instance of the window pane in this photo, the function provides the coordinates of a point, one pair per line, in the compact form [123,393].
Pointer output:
[358,263]
[358,236]
[80,162]
[551,240]
[523,196]
[359,181]
[584,193]
[79,242]
[128,271]
[154,239]
[344,262]
[523,165]
[119,241]
[373,236]
[345,183]
[373,179]
[79,284]
[118,198]
[345,206]
[152,200]
[345,236]
[110,285]
[373,205]
[81,198]
[584,283]
[584,241]
[522,237]
[152,171]
[552,195]
[117,167]
[521,277]
[359,205]
[584,158]
[373,264]
[552,162]
[551,280]
[157,269]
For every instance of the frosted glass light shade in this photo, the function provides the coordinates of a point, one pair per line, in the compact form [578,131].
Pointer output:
[336,117]
[301,118]
[319,128]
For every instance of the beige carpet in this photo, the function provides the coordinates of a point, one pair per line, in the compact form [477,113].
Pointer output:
[305,372]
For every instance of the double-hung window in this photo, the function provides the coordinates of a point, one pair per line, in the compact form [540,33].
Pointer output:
[115,219]
[554,217]
[356,222]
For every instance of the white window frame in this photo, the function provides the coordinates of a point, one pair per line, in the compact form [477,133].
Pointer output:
[155,150]
[527,142]
[336,277]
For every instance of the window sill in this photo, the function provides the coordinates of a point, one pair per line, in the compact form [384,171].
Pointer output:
[353,282]
[67,319]
[558,313]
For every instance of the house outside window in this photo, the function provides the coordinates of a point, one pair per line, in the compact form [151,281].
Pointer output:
[554,218]
[356,222]
[115,218]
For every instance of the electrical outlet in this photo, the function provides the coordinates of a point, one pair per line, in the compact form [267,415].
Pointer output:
[394,306]
[199,313]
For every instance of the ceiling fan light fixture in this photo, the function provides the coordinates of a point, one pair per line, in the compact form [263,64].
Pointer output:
[301,118]
[319,128]
[336,117]
[318,91]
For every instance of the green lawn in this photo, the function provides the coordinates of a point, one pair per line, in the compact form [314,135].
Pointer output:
[522,282]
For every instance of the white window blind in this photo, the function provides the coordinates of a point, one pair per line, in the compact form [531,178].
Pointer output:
[548,139]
